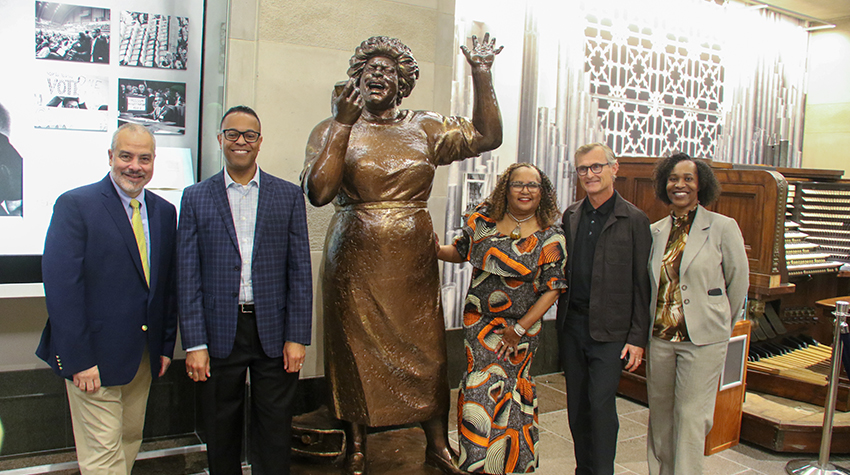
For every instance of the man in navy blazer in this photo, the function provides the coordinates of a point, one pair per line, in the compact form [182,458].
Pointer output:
[245,297]
[111,302]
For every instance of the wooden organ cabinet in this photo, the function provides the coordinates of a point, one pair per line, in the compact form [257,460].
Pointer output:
[796,228]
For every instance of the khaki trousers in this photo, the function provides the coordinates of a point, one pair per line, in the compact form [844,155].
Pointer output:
[681,385]
[108,423]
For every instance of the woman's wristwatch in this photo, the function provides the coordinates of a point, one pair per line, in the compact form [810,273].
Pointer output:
[519,329]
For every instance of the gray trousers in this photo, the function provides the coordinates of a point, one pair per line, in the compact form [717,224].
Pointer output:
[681,384]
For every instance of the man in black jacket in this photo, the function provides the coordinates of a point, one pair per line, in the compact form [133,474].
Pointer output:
[603,318]
[100,47]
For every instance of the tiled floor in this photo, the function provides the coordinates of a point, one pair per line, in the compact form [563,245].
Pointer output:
[401,452]
[556,447]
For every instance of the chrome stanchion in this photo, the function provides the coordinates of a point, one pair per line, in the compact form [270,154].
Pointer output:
[822,466]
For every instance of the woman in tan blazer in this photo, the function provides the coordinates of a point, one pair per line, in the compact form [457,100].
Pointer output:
[699,273]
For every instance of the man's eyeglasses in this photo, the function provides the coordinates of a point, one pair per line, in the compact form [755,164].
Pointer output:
[532,186]
[233,135]
[596,168]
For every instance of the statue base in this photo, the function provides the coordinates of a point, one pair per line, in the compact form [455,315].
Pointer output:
[400,451]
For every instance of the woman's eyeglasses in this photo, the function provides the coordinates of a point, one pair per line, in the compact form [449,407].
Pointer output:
[532,186]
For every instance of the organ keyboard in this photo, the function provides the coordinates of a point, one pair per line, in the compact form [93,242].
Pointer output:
[822,211]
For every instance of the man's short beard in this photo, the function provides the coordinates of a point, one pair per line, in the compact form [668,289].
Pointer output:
[127,186]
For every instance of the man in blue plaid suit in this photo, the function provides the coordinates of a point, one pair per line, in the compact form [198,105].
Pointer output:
[245,299]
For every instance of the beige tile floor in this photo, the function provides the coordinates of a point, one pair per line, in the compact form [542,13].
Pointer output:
[400,452]
[556,447]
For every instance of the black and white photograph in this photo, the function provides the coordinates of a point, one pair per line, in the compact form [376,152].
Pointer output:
[153,41]
[71,32]
[474,192]
[71,101]
[159,105]
[11,170]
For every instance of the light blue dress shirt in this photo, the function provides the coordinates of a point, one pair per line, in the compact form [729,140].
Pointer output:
[243,201]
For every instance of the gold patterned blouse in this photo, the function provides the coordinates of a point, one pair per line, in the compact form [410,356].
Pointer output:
[669,312]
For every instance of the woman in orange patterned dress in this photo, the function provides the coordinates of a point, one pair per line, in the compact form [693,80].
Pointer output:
[518,260]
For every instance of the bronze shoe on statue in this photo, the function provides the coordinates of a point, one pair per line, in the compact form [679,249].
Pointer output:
[444,460]
[355,464]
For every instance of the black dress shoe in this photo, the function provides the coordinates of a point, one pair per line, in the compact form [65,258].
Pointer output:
[355,464]
[445,461]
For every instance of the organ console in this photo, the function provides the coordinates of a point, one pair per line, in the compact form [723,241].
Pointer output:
[796,228]
[794,364]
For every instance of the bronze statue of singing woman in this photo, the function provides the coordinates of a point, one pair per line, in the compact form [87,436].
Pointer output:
[385,350]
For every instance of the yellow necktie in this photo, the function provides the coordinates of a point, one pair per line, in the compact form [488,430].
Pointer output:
[139,232]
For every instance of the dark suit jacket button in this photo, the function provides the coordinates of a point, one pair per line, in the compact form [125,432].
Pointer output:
[687,301]
[235,267]
[236,294]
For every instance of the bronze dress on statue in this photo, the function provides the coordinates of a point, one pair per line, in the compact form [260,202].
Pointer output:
[385,352]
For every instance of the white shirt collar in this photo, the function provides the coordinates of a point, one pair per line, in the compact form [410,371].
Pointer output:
[228,181]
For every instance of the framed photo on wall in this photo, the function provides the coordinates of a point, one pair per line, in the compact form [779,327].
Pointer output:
[63,97]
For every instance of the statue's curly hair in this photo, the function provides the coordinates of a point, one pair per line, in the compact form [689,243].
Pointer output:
[547,211]
[408,69]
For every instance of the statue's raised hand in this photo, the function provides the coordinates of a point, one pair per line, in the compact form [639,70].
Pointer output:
[348,104]
[482,54]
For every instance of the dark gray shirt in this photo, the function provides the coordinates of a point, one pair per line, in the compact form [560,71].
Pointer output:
[589,228]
